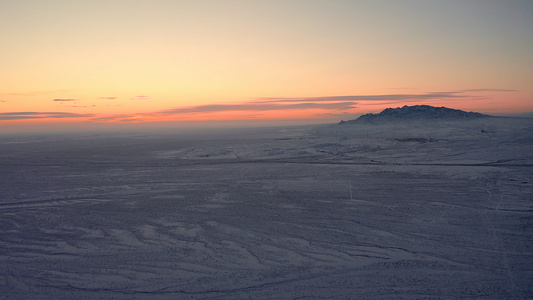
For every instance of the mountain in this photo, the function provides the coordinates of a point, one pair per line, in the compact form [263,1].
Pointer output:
[416,112]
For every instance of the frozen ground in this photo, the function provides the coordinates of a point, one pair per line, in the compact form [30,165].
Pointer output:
[411,210]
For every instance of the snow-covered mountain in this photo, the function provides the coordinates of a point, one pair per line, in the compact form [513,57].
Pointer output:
[416,112]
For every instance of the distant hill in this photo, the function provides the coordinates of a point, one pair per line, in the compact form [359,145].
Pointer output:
[416,112]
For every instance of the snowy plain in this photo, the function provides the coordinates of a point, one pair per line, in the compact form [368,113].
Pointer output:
[405,210]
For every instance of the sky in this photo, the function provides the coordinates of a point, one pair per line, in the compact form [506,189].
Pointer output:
[73,63]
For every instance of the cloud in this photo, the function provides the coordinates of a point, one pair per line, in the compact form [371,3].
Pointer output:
[124,118]
[486,90]
[108,98]
[254,106]
[337,115]
[386,97]
[245,110]
[392,98]
[105,119]
[140,98]
[40,115]
[269,107]
[312,107]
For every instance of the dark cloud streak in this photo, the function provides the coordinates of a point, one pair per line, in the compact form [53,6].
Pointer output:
[251,106]
[385,97]
[486,90]
[391,97]
[40,115]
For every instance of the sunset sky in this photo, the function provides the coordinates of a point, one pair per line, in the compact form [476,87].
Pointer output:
[115,61]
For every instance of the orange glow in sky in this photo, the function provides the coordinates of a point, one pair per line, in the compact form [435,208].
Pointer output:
[95,62]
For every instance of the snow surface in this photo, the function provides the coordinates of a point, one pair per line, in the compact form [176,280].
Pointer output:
[401,210]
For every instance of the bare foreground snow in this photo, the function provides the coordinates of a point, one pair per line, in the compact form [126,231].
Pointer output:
[410,210]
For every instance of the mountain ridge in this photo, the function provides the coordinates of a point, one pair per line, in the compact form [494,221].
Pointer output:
[416,112]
